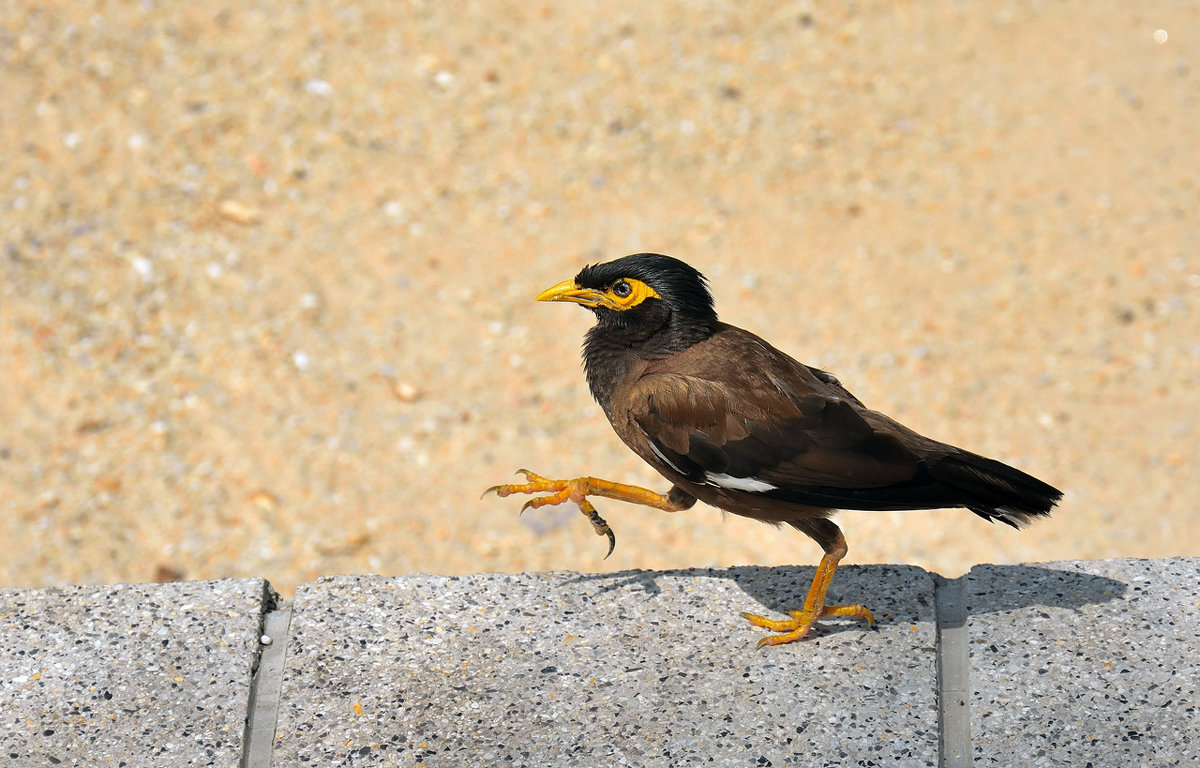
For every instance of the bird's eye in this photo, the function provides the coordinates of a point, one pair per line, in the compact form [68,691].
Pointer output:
[621,289]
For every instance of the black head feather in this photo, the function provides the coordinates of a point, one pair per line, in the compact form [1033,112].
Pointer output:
[684,291]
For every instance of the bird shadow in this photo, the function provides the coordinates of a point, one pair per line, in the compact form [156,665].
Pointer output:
[999,588]
[897,593]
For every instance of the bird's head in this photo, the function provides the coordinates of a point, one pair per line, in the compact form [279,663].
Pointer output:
[641,295]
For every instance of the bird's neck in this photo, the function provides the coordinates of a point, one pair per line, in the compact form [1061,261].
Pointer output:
[610,355]
[607,362]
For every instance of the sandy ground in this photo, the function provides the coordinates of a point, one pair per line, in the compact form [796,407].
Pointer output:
[266,272]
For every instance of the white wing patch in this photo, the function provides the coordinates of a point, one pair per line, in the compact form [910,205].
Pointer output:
[738,483]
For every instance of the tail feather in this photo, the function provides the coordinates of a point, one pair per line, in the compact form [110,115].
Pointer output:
[996,491]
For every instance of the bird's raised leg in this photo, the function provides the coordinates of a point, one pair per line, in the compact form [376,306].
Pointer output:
[579,488]
[830,537]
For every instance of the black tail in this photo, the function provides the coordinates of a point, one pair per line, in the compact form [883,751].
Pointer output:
[996,491]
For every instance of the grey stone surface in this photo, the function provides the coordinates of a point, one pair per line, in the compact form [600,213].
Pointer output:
[1086,663]
[128,675]
[1057,664]
[631,668]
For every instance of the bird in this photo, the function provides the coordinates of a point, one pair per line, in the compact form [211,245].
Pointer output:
[733,422]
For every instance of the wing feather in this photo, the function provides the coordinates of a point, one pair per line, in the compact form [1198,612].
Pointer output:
[790,440]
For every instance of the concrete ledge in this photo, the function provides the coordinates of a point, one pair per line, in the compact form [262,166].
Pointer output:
[1098,662]
[1053,664]
[631,668]
[153,674]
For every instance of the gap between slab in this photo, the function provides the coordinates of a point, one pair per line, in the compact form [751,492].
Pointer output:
[266,688]
[953,673]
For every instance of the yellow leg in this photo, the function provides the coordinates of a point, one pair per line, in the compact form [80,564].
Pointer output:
[579,488]
[814,605]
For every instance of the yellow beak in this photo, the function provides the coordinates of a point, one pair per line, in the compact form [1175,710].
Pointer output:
[567,290]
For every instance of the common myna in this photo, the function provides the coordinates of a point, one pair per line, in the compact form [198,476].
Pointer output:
[737,424]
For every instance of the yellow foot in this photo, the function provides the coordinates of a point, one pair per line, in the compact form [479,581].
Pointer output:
[576,490]
[534,483]
[802,621]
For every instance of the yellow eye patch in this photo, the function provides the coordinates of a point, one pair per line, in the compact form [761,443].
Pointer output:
[623,294]
[627,293]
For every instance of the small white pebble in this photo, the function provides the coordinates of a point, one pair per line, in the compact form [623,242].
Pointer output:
[266,640]
[1160,36]
[318,87]
[405,392]
[142,266]
[300,359]
[238,212]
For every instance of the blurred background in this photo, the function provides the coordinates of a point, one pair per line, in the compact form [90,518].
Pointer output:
[266,269]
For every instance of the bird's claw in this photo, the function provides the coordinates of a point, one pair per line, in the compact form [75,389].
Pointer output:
[534,503]
[557,492]
[507,489]
[602,528]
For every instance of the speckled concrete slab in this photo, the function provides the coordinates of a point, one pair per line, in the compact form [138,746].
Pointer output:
[631,668]
[148,674]
[1085,663]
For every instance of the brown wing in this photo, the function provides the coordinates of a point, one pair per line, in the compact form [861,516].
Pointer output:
[769,426]
[718,432]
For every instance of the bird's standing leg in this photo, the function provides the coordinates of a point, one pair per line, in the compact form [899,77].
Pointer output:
[579,488]
[830,537]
